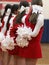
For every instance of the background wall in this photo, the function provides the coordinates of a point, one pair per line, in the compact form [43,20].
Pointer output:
[46,8]
[45,37]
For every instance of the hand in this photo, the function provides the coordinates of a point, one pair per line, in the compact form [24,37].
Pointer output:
[3,49]
[11,46]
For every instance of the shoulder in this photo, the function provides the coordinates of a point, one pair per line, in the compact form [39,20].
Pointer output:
[40,19]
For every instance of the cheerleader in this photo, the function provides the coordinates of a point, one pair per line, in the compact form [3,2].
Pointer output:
[19,22]
[4,21]
[3,24]
[6,42]
[32,52]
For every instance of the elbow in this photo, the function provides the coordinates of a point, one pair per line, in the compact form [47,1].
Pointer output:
[34,35]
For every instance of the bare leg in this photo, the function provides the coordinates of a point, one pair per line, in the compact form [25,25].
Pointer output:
[1,58]
[6,58]
[31,61]
[19,61]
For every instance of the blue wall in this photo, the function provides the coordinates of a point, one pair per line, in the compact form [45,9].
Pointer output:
[45,37]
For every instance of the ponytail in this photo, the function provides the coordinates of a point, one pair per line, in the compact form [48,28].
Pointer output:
[8,6]
[33,18]
[19,17]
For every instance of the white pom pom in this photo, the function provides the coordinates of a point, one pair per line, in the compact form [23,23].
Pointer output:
[8,43]
[24,34]
[22,42]
[2,37]
[23,31]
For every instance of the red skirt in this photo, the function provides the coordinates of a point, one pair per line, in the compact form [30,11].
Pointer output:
[32,51]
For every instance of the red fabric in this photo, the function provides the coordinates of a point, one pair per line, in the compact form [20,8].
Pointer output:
[13,34]
[13,31]
[16,0]
[2,25]
[34,48]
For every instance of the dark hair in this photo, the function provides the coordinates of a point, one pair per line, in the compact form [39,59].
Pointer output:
[8,6]
[34,16]
[24,3]
[37,2]
[13,9]
[20,15]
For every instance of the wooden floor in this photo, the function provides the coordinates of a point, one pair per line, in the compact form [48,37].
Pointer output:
[45,51]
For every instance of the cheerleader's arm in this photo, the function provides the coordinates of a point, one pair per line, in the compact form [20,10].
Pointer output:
[39,24]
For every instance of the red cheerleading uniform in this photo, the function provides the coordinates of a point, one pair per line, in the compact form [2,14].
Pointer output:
[34,48]
[13,34]
[4,24]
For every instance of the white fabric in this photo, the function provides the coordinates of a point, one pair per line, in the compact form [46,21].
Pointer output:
[27,9]
[11,20]
[23,19]
[11,23]
[5,22]
[1,36]
[22,42]
[22,38]
[8,12]
[22,9]
[37,8]
[8,43]
[39,24]
[23,30]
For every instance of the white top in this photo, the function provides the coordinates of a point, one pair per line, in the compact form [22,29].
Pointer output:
[39,24]
[5,22]
[23,19]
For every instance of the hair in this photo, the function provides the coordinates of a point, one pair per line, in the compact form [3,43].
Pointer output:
[13,9]
[8,6]
[37,2]
[34,16]
[24,3]
[20,15]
